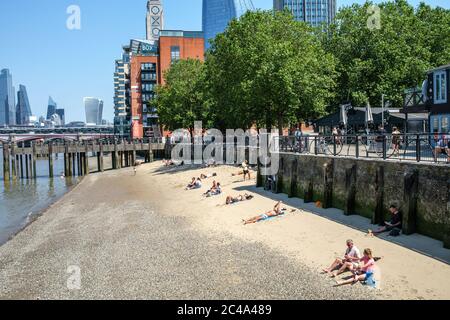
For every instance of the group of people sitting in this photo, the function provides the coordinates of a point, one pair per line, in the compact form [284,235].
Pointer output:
[362,267]
[197,183]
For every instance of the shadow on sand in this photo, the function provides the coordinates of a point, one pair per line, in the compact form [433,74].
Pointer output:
[416,242]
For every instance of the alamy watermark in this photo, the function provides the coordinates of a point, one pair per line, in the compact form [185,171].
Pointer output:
[74,280]
[199,147]
[374,20]
[73,22]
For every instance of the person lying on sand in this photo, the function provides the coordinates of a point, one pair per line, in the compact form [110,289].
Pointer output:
[277,211]
[239,198]
[364,272]
[168,163]
[207,176]
[350,260]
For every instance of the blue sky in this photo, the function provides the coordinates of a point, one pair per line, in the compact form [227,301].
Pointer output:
[69,65]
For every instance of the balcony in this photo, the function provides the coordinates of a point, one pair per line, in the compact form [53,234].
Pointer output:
[415,101]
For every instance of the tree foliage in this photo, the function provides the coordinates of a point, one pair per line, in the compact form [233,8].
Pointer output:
[268,69]
[389,59]
[181,101]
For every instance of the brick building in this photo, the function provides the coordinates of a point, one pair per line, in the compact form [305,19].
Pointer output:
[148,60]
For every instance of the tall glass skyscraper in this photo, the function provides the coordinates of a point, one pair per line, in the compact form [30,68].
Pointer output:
[218,13]
[23,110]
[94,111]
[51,108]
[7,99]
[315,12]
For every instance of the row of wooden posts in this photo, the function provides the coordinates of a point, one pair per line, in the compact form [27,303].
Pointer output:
[20,161]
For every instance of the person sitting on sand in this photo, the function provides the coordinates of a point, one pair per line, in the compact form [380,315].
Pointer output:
[239,198]
[195,184]
[395,223]
[364,272]
[214,191]
[192,184]
[277,211]
[207,176]
[350,260]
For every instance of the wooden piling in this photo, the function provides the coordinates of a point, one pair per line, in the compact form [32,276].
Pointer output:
[50,159]
[6,164]
[33,150]
[13,162]
[378,214]
[294,179]
[446,239]
[21,166]
[411,187]
[27,173]
[86,159]
[350,187]
[328,185]
[100,158]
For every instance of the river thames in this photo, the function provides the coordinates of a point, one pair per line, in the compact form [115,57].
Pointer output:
[21,201]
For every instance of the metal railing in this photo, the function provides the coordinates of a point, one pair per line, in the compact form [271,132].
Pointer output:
[406,147]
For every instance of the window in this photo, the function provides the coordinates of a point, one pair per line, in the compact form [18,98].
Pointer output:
[444,124]
[148,66]
[174,53]
[440,87]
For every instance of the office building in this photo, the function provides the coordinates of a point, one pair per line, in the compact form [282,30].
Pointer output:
[23,110]
[7,99]
[94,110]
[218,13]
[122,118]
[51,108]
[314,12]
[147,66]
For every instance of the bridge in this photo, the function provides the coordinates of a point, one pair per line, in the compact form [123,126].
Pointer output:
[19,160]
[27,137]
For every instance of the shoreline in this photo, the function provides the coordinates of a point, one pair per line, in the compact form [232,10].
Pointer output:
[33,217]
[144,237]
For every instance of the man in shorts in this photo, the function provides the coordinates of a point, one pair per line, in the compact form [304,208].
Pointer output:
[350,261]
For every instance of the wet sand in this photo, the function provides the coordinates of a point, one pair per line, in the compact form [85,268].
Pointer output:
[145,237]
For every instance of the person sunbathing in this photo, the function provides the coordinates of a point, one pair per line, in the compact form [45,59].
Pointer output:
[168,163]
[207,176]
[239,198]
[277,211]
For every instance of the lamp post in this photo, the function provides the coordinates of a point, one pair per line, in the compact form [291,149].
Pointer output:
[382,109]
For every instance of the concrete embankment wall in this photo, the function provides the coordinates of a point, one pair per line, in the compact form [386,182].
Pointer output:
[369,187]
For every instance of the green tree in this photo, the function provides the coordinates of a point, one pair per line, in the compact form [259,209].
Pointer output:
[268,69]
[181,101]
[389,59]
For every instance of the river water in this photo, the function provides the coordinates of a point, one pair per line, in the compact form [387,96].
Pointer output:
[23,200]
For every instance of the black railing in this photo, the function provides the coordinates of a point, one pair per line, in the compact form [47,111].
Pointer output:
[406,147]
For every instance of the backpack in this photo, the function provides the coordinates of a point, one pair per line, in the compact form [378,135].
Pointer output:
[394,232]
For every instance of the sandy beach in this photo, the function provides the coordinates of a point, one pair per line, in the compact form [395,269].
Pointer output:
[145,237]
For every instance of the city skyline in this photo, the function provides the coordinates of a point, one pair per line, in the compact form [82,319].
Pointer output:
[74,69]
